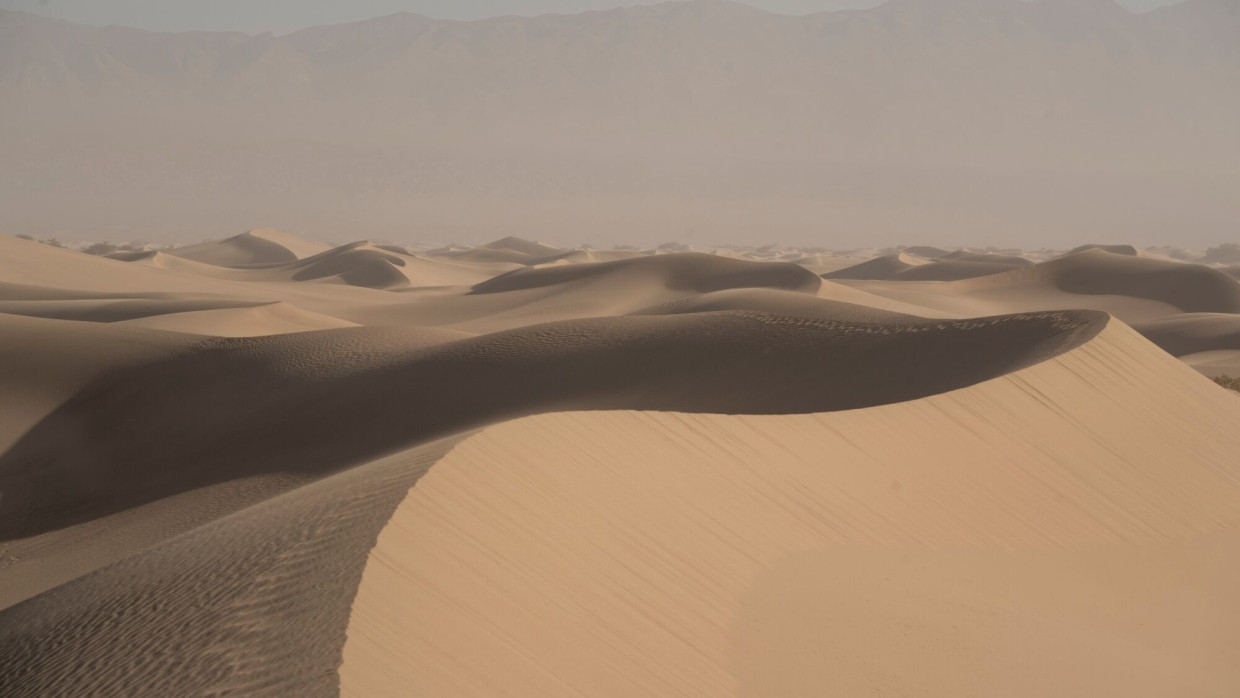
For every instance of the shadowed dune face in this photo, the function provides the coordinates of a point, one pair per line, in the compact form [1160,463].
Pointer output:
[371,268]
[1135,289]
[256,603]
[134,436]
[886,267]
[955,269]
[946,267]
[118,309]
[686,271]
[1190,287]
[1192,333]
[789,303]
[1127,250]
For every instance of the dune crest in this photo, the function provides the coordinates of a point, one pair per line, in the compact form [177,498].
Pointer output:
[265,389]
[258,246]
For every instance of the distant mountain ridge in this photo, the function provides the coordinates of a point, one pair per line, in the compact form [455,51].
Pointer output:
[703,112]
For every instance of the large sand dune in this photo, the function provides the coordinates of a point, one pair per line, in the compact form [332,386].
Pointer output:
[654,473]
[1051,532]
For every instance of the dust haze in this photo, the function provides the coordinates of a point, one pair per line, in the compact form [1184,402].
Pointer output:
[980,122]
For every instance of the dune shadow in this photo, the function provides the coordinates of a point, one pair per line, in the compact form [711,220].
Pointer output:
[318,402]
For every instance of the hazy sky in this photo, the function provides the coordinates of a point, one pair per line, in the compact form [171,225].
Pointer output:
[285,15]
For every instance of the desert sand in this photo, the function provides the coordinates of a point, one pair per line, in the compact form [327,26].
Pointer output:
[266,465]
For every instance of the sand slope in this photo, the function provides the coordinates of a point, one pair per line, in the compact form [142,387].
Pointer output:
[197,454]
[1069,529]
[105,456]
[1192,333]
[258,246]
[953,266]
[107,448]
[1135,289]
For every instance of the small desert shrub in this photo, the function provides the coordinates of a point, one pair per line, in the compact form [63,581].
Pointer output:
[101,248]
[1228,382]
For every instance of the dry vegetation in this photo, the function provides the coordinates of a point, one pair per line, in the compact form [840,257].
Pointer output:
[1228,382]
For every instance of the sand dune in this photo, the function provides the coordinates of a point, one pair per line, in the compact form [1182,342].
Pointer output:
[945,267]
[106,450]
[689,271]
[537,294]
[954,270]
[1192,333]
[1079,545]
[656,467]
[589,256]
[885,267]
[361,263]
[253,321]
[1128,250]
[257,557]
[258,246]
[512,250]
[364,264]
[786,303]
[1135,289]
[927,251]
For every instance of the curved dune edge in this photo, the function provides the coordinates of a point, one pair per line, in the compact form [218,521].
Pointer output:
[637,553]
[108,449]
[258,600]
[255,603]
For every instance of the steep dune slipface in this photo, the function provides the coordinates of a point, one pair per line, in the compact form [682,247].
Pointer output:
[1068,529]
[885,267]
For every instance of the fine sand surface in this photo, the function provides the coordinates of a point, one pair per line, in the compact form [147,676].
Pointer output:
[647,472]
[1050,532]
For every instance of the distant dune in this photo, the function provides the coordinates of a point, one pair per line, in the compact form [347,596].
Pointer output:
[259,246]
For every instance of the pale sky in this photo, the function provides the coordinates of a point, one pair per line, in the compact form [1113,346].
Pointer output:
[287,15]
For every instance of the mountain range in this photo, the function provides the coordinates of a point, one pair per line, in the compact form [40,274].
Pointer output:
[963,121]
